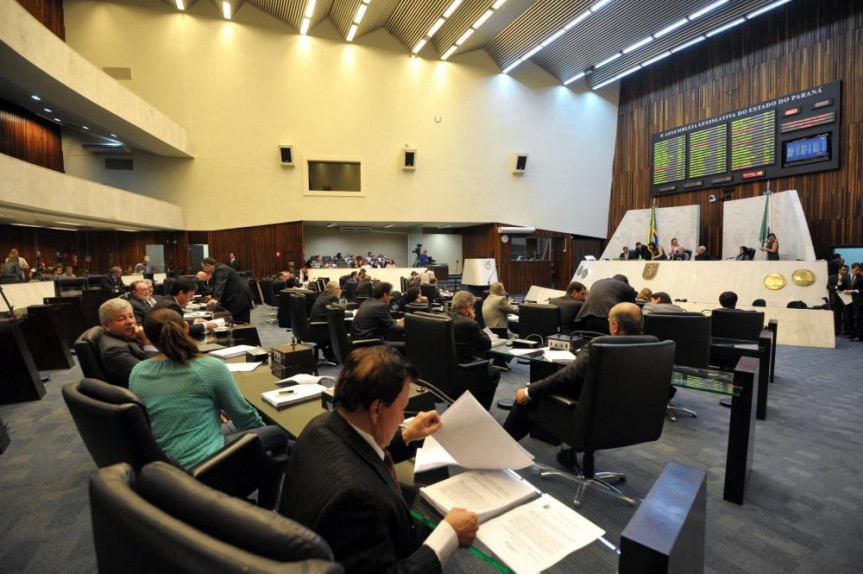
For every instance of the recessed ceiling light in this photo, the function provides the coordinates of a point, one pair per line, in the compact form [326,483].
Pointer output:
[24,225]
[48,110]
[113,135]
[67,223]
[61,229]
[37,98]
[85,127]
[56,119]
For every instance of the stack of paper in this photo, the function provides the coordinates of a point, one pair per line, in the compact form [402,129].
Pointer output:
[558,356]
[232,351]
[495,340]
[242,367]
[299,379]
[486,492]
[281,398]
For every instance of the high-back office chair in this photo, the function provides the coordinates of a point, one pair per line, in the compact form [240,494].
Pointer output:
[313,333]
[430,292]
[69,286]
[404,284]
[417,307]
[736,324]
[430,345]
[691,334]
[622,403]
[268,292]
[94,281]
[341,342]
[87,350]
[166,521]
[538,321]
[351,291]
[115,427]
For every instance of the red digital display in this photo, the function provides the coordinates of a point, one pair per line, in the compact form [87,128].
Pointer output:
[791,112]
[751,174]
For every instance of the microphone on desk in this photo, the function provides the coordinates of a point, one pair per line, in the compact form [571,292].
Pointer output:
[680,301]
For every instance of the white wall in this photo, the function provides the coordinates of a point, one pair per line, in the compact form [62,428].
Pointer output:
[445,248]
[241,87]
[741,225]
[671,222]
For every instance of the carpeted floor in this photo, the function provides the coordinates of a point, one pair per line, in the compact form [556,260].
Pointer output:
[802,512]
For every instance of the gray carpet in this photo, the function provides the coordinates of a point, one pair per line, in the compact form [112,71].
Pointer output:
[802,512]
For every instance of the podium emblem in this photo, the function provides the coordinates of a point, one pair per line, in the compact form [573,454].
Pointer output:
[650,271]
[803,277]
[775,281]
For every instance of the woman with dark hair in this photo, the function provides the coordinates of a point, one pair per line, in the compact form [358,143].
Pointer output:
[185,392]
[772,248]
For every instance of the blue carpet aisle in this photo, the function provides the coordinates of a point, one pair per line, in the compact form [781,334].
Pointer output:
[802,512]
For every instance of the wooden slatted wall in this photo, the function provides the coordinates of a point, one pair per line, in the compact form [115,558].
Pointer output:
[49,12]
[798,46]
[256,247]
[29,138]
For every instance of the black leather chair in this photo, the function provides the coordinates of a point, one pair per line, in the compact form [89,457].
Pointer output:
[430,292]
[351,291]
[70,286]
[163,520]
[535,320]
[430,345]
[342,343]
[736,324]
[313,333]
[94,281]
[691,333]
[622,403]
[268,292]
[115,427]
[87,350]
[416,307]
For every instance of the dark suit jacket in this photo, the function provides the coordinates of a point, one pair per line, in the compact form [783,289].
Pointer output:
[111,282]
[857,298]
[235,264]
[230,289]
[703,257]
[833,285]
[470,340]
[373,321]
[140,308]
[567,381]
[364,289]
[168,302]
[569,309]
[118,357]
[319,309]
[336,485]
[605,294]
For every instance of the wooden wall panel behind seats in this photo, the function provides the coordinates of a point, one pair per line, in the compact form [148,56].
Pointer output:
[256,247]
[49,13]
[29,137]
[795,47]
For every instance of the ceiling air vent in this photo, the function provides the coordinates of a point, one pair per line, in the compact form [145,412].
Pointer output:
[119,163]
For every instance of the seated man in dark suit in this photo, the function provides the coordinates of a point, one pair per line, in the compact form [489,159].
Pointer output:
[183,291]
[471,342]
[660,302]
[623,319]
[123,344]
[331,295]
[229,289]
[570,304]
[604,294]
[139,295]
[373,319]
[364,286]
[356,503]
[728,299]
[701,254]
[113,279]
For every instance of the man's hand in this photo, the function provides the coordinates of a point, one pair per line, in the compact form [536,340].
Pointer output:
[424,424]
[465,523]
[141,336]
[521,396]
[212,302]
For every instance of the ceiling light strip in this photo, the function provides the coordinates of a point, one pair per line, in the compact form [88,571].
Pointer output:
[767,8]
[436,26]
[548,41]
[361,12]
[226,10]
[479,22]
[307,17]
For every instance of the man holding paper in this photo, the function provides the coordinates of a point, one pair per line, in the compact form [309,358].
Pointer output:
[623,319]
[341,481]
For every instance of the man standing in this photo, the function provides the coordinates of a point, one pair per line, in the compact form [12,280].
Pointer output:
[123,343]
[839,283]
[373,319]
[424,259]
[233,262]
[496,308]
[472,342]
[356,504]
[856,293]
[604,294]
[229,289]
[182,292]
[113,280]
[570,304]
[623,319]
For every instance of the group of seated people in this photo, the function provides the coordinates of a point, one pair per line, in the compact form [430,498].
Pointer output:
[368,261]
[656,252]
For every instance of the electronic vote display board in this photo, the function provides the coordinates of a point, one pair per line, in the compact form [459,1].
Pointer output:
[787,136]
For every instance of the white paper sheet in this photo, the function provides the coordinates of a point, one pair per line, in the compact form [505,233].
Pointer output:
[559,356]
[537,535]
[302,379]
[495,340]
[486,492]
[241,367]
[846,299]
[520,352]
[232,351]
[475,440]
[431,455]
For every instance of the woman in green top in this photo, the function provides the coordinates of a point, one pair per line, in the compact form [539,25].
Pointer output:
[185,392]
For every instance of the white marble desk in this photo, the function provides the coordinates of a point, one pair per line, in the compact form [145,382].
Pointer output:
[23,295]
[391,276]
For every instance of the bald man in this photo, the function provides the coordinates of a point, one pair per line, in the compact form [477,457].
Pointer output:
[623,319]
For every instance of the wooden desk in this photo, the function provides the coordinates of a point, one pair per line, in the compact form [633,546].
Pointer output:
[42,331]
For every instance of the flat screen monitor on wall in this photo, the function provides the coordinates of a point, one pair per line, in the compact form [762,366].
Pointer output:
[333,176]
[850,253]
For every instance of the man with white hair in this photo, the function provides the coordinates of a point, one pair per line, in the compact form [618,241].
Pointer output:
[123,343]
[701,254]
[330,296]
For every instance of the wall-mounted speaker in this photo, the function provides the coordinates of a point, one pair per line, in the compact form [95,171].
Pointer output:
[519,163]
[286,155]
[409,159]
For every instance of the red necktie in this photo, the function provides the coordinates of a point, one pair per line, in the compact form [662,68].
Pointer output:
[391,467]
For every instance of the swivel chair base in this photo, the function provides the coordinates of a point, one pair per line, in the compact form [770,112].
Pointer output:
[601,479]
[671,409]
